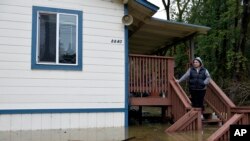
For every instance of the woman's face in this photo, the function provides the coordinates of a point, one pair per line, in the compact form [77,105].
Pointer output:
[196,63]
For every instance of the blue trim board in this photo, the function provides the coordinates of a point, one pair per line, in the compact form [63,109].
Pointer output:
[126,69]
[34,65]
[148,5]
[39,111]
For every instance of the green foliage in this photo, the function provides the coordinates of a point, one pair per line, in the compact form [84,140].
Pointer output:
[239,92]
[220,49]
[242,60]
[223,50]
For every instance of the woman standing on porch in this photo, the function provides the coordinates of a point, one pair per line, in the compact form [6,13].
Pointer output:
[198,80]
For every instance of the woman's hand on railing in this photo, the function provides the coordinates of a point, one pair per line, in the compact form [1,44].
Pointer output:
[177,81]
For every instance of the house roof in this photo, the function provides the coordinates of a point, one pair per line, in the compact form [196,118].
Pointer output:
[148,34]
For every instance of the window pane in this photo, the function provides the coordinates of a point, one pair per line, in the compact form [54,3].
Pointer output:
[47,38]
[67,39]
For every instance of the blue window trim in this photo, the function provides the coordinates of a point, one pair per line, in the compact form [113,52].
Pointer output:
[148,5]
[39,111]
[34,65]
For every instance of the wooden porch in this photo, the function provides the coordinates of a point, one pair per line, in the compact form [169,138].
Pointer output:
[152,83]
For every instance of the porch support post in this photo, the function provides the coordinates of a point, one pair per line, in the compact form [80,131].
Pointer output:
[191,49]
[140,115]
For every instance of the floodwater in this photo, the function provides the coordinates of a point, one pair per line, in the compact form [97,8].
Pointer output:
[144,132]
[155,132]
[149,130]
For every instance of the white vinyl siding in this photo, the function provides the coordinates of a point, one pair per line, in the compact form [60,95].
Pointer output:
[100,84]
[17,122]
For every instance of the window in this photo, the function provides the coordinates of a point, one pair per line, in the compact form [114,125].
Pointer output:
[56,39]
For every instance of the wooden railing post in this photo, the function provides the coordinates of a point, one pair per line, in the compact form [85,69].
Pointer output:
[170,68]
[170,76]
[199,124]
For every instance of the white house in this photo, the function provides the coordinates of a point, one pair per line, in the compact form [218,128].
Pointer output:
[62,64]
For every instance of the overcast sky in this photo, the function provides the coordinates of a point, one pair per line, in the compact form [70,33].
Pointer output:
[161,12]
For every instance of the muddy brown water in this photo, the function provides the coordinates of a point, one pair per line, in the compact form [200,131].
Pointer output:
[155,132]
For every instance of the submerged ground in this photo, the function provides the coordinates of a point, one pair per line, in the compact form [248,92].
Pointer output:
[149,130]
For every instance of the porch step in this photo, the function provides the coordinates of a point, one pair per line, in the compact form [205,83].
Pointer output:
[211,119]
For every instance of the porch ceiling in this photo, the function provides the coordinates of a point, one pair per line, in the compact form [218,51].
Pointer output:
[147,34]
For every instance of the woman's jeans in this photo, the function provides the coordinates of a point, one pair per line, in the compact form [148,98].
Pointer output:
[197,98]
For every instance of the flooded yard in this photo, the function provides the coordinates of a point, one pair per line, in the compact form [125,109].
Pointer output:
[151,129]
[145,132]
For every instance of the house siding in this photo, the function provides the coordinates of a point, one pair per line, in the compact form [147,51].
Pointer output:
[100,84]
[16,122]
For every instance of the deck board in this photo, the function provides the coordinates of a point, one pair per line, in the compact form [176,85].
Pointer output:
[149,101]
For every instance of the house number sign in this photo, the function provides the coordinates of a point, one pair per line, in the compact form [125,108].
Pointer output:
[116,41]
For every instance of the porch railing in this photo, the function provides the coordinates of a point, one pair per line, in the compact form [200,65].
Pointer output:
[219,101]
[242,110]
[240,116]
[149,74]
[189,122]
[180,102]
[223,133]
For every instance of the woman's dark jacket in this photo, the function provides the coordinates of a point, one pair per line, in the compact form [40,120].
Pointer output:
[196,79]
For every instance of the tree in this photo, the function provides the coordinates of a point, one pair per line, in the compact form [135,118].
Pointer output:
[179,8]
[166,6]
[182,6]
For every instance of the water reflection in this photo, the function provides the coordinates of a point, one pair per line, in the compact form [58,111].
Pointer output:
[155,132]
[146,132]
